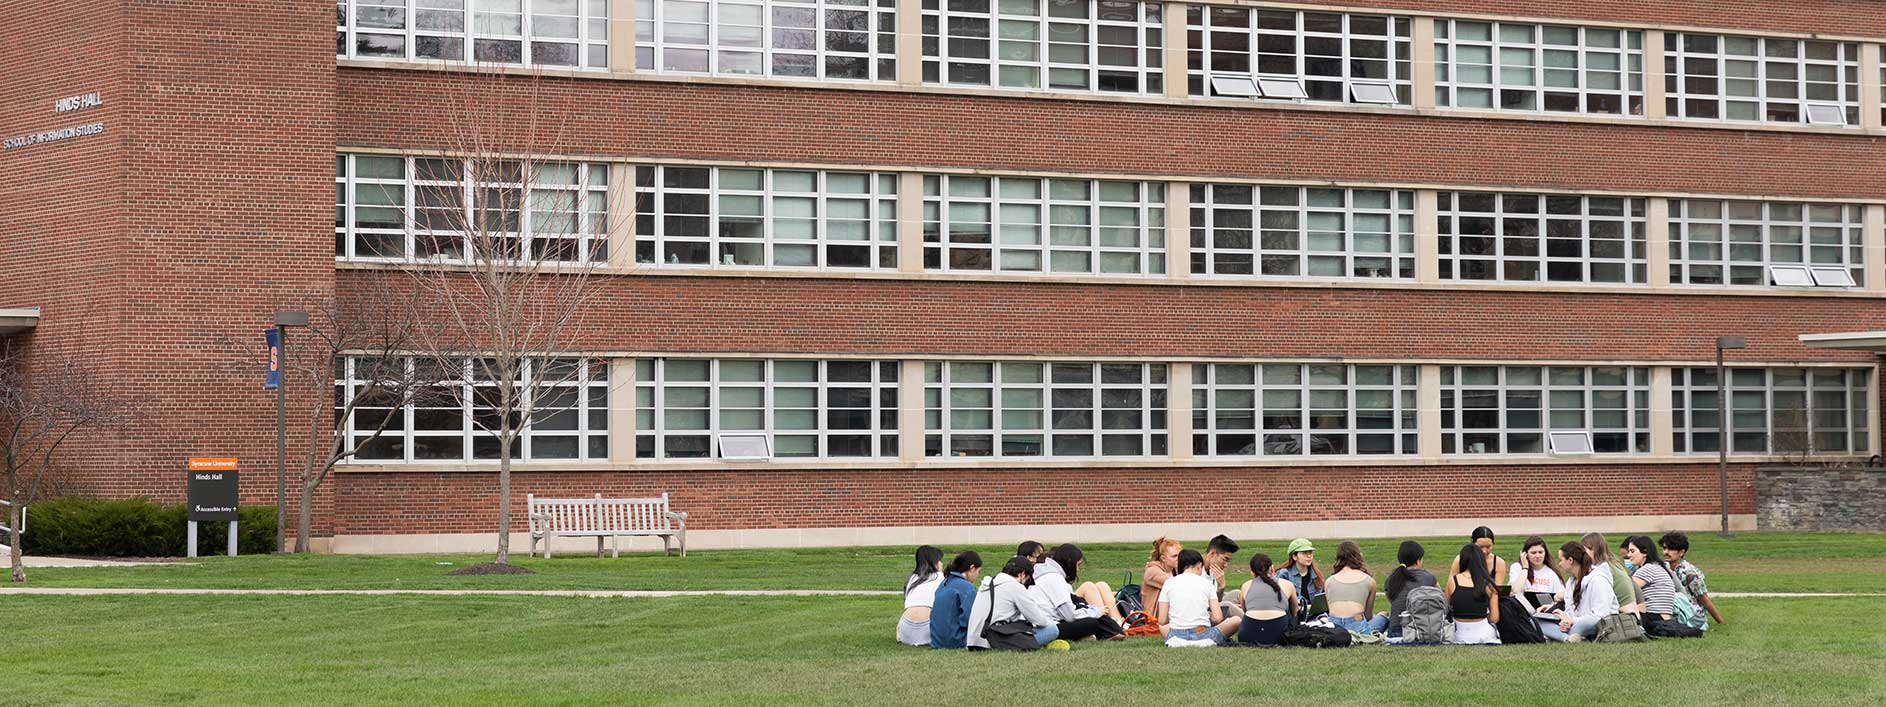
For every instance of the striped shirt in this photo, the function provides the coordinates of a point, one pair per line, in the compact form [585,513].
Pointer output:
[1659,590]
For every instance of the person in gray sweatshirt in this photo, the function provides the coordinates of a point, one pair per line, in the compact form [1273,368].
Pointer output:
[1006,597]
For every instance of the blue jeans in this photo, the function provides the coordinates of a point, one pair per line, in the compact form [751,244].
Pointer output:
[1047,633]
[1207,633]
[1586,627]
[1365,626]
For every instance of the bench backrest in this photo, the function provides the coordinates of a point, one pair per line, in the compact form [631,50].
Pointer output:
[598,514]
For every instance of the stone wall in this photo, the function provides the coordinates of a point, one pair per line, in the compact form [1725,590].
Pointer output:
[1839,500]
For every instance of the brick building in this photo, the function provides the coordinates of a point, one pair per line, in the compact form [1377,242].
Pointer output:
[1083,269]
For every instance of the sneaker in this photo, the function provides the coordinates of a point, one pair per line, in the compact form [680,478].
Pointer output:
[1057,645]
[1575,638]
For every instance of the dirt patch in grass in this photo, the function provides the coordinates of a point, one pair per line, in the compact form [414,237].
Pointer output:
[484,568]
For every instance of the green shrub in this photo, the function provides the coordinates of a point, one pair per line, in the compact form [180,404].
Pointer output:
[135,527]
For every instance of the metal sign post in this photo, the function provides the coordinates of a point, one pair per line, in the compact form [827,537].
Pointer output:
[212,492]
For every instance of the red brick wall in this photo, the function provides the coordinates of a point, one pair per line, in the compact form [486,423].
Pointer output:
[881,317]
[405,503]
[610,118]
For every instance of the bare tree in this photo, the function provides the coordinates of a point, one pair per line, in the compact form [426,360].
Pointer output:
[505,245]
[40,409]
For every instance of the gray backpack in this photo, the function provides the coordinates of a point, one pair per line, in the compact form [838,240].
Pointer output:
[1426,621]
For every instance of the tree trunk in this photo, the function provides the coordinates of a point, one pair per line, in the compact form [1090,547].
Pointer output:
[504,498]
[304,521]
[18,554]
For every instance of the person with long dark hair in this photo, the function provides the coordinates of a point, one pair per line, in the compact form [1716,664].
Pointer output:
[1482,537]
[1473,598]
[1408,575]
[1351,590]
[1189,614]
[949,617]
[1621,585]
[913,628]
[1653,578]
[1268,605]
[1588,599]
[1533,573]
[1005,597]
[1088,610]
[1032,550]
[1300,572]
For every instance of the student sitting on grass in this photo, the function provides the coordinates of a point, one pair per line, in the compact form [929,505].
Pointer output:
[1473,599]
[1032,550]
[949,617]
[1589,598]
[1405,577]
[1268,604]
[1482,537]
[1007,598]
[1088,611]
[1301,574]
[1188,607]
[1533,572]
[913,629]
[1352,593]
[1655,584]
[1676,550]
[1218,553]
[1164,562]
[1621,585]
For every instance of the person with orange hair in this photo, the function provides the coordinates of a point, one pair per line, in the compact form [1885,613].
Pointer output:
[1159,568]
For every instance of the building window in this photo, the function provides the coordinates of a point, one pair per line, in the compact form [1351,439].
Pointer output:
[388,207]
[454,416]
[1290,54]
[1541,238]
[1509,410]
[1762,243]
[1291,409]
[1770,80]
[808,409]
[1111,46]
[1287,231]
[727,217]
[1017,409]
[1022,224]
[1525,67]
[1785,411]
[809,39]
[550,33]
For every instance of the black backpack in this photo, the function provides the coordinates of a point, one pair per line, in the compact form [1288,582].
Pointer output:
[1669,628]
[1516,623]
[1128,599]
[1014,634]
[1307,636]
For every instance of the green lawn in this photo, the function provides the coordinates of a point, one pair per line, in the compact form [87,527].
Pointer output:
[1751,562]
[526,650]
[416,649]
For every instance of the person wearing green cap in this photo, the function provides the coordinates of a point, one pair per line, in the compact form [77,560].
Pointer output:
[1300,571]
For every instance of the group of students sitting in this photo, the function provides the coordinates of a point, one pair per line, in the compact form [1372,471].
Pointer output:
[1581,594]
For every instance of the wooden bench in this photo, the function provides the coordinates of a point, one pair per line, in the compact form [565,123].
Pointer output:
[600,518]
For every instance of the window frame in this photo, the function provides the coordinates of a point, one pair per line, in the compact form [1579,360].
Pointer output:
[592,433]
[1689,384]
[1683,267]
[591,22]
[1448,68]
[653,45]
[1457,439]
[1201,55]
[653,433]
[1682,104]
[1207,254]
[652,219]
[940,248]
[1207,389]
[591,202]
[1634,224]
[941,436]
[939,62]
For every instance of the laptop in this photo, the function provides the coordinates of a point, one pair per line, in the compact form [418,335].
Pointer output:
[1542,603]
[1319,605]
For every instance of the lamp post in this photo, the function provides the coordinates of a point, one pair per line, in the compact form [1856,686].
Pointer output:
[1724,343]
[283,320]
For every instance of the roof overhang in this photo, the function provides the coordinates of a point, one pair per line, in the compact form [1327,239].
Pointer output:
[1874,341]
[14,321]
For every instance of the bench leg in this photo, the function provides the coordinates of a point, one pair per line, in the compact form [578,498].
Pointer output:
[599,546]
[548,538]
[533,547]
[684,542]
[666,549]
[615,547]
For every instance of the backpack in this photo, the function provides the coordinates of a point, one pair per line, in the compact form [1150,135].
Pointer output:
[1687,612]
[1670,628]
[1014,634]
[1141,623]
[1426,619]
[1619,628]
[1516,624]
[1128,599]
[1313,636]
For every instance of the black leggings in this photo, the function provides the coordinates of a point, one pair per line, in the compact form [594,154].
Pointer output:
[1102,627]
